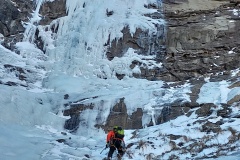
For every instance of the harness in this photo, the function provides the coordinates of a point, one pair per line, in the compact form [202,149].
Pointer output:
[118,139]
[113,143]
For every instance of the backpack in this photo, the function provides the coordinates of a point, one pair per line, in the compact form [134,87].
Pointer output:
[119,133]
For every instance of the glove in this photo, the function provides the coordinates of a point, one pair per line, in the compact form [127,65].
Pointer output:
[107,145]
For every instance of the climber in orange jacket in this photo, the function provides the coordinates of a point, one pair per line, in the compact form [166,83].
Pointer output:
[115,141]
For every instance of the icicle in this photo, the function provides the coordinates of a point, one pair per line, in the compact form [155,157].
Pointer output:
[32,24]
[80,48]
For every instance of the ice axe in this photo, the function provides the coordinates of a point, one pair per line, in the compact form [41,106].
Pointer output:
[103,150]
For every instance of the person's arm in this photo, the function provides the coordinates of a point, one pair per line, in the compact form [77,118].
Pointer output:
[109,136]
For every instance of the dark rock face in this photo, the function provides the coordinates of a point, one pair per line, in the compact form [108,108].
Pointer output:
[12,14]
[52,10]
[72,124]
[198,41]
[9,19]
[198,46]
[19,72]
[141,41]
[118,116]
[169,113]
[211,127]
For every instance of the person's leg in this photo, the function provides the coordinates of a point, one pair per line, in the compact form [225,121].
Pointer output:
[119,147]
[120,152]
[111,150]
